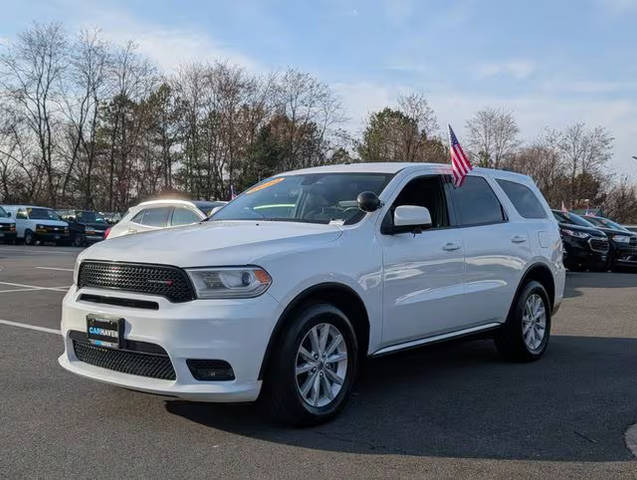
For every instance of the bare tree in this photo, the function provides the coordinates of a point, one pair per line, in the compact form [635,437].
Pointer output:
[31,70]
[493,136]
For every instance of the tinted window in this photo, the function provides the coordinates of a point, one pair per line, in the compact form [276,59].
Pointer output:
[3,212]
[476,204]
[184,216]
[423,192]
[523,199]
[21,214]
[156,217]
[42,214]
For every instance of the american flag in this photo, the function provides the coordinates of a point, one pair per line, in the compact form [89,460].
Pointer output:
[460,164]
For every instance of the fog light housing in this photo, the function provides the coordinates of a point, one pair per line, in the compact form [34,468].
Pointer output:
[210,370]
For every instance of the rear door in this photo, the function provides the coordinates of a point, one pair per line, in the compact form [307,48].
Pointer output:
[496,249]
[422,272]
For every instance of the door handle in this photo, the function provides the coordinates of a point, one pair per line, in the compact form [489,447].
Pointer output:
[518,239]
[450,247]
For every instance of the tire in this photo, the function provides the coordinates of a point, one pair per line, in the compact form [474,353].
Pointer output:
[283,395]
[78,241]
[29,239]
[511,341]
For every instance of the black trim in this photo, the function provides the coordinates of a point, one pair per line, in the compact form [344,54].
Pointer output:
[195,364]
[298,300]
[118,301]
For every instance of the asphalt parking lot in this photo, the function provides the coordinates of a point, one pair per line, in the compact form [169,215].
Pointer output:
[443,412]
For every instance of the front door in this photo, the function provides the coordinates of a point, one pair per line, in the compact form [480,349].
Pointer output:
[422,272]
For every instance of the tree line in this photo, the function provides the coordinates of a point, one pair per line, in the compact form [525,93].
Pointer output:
[91,124]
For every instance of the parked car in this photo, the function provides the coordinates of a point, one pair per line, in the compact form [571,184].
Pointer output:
[372,259]
[623,242]
[86,226]
[585,247]
[7,227]
[112,217]
[157,214]
[38,224]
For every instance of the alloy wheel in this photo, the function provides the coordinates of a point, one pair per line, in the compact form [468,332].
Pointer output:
[321,365]
[534,322]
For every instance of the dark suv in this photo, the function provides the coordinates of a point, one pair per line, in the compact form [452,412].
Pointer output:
[623,242]
[585,246]
[87,227]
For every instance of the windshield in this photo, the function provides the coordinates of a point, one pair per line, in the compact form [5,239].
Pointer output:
[312,198]
[606,223]
[3,213]
[90,217]
[568,217]
[42,214]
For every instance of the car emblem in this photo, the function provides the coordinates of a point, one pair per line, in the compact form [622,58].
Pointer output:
[168,283]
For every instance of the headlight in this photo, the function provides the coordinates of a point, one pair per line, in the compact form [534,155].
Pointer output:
[230,282]
[621,238]
[575,233]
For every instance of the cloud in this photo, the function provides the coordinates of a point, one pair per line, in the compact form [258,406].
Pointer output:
[168,47]
[519,69]
[533,113]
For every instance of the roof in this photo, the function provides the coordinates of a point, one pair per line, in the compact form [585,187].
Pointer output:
[395,167]
[25,206]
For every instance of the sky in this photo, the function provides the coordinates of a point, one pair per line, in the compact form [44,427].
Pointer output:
[551,63]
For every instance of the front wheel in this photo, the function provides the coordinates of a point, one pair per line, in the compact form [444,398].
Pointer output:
[312,372]
[29,239]
[525,335]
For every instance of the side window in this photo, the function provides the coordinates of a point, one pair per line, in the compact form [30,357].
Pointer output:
[21,214]
[184,216]
[523,199]
[138,218]
[476,204]
[156,217]
[426,191]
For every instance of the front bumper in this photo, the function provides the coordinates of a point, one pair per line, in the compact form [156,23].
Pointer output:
[6,236]
[51,236]
[236,331]
[625,256]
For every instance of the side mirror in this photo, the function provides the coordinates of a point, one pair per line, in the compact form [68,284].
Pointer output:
[8,214]
[368,201]
[411,218]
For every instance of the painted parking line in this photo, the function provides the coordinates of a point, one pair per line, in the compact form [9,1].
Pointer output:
[55,268]
[36,287]
[30,327]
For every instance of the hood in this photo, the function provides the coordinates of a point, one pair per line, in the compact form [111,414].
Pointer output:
[94,226]
[6,220]
[594,232]
[51,223]
[213,243]
[614,231]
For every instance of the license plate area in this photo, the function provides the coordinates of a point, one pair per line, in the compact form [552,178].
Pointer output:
[105,332]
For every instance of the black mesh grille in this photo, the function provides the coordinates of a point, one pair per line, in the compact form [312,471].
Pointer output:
[633,241]
[166,281]
[154,365]
[599,245]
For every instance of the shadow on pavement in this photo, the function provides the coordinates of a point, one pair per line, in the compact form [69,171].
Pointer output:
[578,280]
[461,400]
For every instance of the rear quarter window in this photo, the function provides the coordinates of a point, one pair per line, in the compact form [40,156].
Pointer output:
[523,199]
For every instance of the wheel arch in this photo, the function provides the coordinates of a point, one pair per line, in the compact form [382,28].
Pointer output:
[541,273]
[340,295]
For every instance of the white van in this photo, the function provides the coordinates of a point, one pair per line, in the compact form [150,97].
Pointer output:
[35,224]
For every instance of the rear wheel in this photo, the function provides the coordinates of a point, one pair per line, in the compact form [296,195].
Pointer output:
[312,372]
[525,335]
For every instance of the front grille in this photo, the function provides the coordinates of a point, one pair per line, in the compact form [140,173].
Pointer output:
[598,245]
[7,227]
[153,363]
[633,241]
[163,280]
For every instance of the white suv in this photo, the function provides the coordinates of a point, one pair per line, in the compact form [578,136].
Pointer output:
[290,286]
[156,214]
